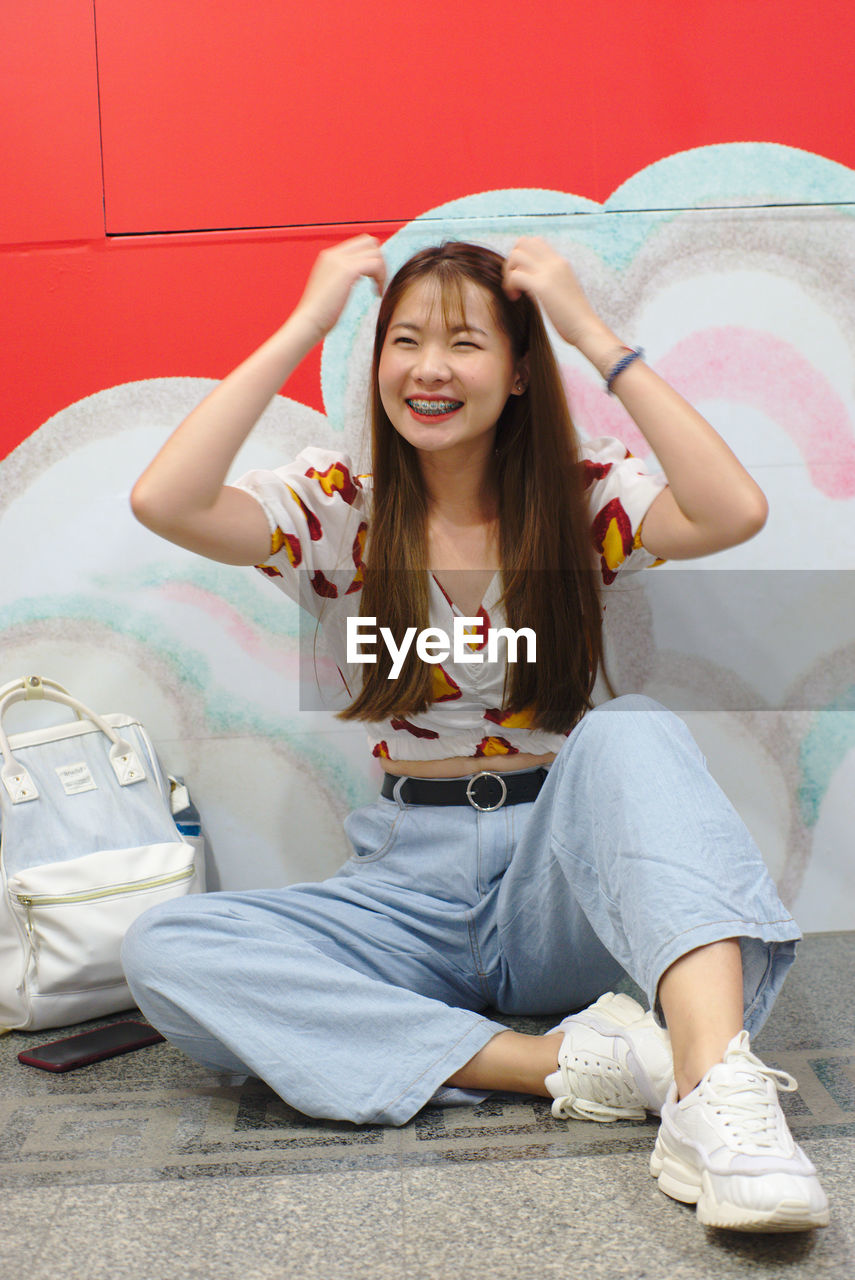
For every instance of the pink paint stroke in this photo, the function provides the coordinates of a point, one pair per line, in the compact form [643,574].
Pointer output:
[269,653]
[747,367]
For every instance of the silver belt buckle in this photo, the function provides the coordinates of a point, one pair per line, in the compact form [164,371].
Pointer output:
[486,808]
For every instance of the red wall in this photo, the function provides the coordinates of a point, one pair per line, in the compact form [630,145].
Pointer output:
[170,170]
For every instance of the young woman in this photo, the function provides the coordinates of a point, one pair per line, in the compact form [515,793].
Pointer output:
[526,850]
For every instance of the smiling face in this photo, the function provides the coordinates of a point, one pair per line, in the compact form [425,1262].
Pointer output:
[445,374]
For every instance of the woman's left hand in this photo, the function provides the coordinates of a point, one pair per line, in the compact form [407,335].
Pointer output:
[533,267]
[711,501]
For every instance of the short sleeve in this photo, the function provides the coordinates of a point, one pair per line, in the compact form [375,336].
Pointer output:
[619,491]
[316,511]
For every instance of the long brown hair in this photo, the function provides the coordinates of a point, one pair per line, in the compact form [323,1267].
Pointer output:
[544,541]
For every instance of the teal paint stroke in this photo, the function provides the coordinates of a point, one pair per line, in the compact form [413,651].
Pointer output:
[828,741]
[616,239]
[316,749]
[736,173]
[146,629]
[281,617]
[730,175]
[226,713]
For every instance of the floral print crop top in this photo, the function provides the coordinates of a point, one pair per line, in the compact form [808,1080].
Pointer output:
[318,511]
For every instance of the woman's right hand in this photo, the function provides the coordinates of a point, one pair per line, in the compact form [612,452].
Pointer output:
[183,494]
[334,274]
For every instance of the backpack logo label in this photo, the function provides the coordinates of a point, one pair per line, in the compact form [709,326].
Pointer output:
[76,778]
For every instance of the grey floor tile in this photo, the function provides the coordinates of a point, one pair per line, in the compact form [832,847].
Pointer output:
[814,1009]
[153,1168]
[330,1227]
[597,1217]
[26,1220]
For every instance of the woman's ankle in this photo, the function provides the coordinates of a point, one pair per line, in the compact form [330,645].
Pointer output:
[511,1062]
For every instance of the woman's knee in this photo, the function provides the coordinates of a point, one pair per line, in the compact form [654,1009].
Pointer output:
[633,719]
[630,741]
[625,702]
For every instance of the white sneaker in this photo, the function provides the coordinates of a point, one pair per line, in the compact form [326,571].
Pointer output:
[726,1147]
[614,1063]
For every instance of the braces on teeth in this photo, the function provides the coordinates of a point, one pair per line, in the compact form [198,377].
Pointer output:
[434,407]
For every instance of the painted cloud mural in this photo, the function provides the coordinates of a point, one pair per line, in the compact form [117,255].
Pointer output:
[734,267]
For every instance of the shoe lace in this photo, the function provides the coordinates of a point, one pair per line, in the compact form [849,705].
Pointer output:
[745,1103]
[596,1090]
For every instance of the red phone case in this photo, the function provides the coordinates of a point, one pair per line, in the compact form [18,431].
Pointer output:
[91,1046]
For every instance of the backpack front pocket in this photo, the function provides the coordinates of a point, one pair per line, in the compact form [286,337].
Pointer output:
[75,914]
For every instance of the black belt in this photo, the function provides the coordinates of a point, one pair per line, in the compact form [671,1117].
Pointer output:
[484,791]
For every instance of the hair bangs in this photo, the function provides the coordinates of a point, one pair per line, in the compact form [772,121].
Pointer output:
[449,286]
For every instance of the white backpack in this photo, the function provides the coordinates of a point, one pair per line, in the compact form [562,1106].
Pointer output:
[88,842]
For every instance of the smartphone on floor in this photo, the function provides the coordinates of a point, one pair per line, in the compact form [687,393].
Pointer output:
[90,1046]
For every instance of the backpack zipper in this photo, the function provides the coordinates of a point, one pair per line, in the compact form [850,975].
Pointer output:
[30,900]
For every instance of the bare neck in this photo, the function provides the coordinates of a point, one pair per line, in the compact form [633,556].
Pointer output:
[461,490]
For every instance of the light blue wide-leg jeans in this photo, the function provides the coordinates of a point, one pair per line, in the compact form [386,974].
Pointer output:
[356,998]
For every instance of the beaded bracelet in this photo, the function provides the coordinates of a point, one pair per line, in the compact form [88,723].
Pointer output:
[623,363]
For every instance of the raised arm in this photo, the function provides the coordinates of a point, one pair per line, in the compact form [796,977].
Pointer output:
[182,494]
[711,501]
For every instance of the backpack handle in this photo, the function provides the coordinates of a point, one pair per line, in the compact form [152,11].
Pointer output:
[35,687]
[124,760]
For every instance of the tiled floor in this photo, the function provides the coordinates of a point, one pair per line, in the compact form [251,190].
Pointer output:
[149,1166]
